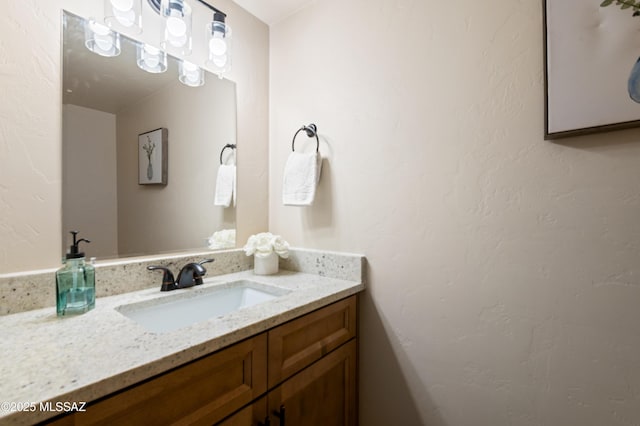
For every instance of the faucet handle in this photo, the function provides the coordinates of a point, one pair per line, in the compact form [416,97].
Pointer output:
[202,271]
[168,282]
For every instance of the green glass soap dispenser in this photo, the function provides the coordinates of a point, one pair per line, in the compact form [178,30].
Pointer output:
[75,282]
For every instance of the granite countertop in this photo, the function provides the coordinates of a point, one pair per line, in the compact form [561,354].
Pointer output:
[82,358]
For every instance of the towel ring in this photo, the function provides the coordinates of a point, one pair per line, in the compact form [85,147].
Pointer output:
[311,130]
[229,145]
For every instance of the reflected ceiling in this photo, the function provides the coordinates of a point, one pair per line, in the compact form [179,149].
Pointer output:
[105,84]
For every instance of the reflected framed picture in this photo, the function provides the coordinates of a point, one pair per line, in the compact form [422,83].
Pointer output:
[592,73]
[153,157]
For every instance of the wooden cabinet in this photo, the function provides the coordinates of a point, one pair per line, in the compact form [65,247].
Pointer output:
[200,393]
[323,394]
[303,370]
[298,343]
[312,368]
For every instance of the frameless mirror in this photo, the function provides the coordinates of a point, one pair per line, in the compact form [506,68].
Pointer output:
[142,153]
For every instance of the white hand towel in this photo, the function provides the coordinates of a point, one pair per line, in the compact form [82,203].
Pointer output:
[225,185]
[301,176]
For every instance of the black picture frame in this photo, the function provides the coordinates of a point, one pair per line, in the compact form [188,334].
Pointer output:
[153,157]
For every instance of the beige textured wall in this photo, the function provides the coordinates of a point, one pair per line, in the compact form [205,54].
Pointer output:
[504,270]
[181,214]
[89,198]
[30,125]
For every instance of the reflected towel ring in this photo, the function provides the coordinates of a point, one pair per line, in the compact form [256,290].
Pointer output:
[311,131]
[229,145]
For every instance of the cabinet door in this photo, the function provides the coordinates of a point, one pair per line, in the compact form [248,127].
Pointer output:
[300,342]
[253,415]
[323,394]
[202,392]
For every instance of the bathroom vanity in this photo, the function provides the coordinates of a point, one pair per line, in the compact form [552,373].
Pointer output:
[292,357]
[303,370]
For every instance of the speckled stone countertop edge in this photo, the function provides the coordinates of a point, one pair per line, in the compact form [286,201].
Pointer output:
[157,353]
[30,290]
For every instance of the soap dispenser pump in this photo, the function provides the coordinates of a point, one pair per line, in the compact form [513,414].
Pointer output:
[75,282]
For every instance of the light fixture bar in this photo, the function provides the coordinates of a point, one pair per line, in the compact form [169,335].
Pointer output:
[155,5]
[212,8]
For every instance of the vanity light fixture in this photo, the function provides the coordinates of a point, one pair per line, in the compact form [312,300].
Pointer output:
[177,26]
[99,39]
[178,31]
[126,16]
[191,74]
[219,44]
[123,15]
[151,59]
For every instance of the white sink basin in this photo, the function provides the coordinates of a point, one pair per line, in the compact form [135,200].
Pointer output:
[196,304]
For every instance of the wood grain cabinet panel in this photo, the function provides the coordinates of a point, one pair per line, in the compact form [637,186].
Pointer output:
[252,415]
[200,393]
[302,341]
[323,394]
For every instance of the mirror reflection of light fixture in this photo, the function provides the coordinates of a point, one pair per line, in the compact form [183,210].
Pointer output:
[177,28]
[151,59]
[191,74]
[124,15]
[219,34]
[100,39]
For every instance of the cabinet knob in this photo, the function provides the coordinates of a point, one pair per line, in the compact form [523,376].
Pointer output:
[267,422]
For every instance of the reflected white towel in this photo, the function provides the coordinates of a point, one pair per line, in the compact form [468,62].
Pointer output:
[301,176]
[225,186]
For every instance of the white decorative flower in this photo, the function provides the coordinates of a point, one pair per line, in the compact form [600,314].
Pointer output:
[281,247]
[265,243]
[250,247]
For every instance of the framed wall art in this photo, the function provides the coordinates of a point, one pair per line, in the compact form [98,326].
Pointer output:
[592,74]
[153,157]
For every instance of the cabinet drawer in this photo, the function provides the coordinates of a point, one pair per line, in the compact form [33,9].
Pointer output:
[298,343]
[202,392]
[252,415]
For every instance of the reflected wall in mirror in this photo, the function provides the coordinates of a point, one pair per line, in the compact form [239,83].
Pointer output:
[107,103]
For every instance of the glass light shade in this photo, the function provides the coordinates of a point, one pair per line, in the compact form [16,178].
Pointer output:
[177,28]
[151,59]
[191,74]
[99,39]
[123,15]
[219,43]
